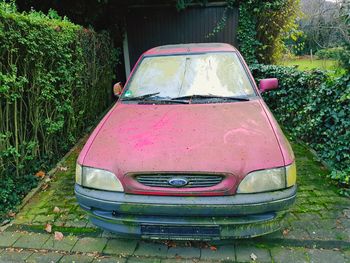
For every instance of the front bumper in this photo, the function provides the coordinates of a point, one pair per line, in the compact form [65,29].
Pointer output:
[181,217]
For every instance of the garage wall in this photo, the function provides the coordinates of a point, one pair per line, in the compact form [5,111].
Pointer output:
[154,26]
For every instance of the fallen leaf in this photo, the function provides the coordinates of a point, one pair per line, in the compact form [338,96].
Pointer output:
[253,256]
[40,174]
[213,248]
[48,228]
[58,236]
[170,243]
[56,210]
[11,214]
[63,168]
[285,232]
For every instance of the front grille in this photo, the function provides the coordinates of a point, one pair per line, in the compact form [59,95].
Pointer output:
[193,180]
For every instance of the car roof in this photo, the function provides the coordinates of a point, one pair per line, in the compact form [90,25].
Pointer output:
[189,48]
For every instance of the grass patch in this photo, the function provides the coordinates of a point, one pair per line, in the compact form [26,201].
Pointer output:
[305,63]
[308,64]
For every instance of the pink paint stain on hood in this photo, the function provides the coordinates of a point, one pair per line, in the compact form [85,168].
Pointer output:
[234,138]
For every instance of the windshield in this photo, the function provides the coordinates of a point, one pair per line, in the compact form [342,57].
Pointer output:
[219,74]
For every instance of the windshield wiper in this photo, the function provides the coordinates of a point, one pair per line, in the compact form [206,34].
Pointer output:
[198,96]
[142,97]
[164,101]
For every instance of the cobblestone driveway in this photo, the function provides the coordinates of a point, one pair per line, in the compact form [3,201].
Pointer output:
[317,229]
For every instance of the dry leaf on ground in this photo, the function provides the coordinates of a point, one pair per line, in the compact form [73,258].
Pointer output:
[58,236]
[11,214]
[48,228]
[285,231]
[213,248]
[63,168]
[40,174]
[170,243]
[253,256]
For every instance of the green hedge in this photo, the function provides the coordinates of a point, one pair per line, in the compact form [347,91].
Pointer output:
[314,108]
[330,53]
[55,81]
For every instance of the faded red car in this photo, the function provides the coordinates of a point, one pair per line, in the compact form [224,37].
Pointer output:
[189,151]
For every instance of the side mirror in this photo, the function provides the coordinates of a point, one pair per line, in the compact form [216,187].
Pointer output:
[117,89]
[268,84]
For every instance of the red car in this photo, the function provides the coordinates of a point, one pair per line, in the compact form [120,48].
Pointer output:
[189,151]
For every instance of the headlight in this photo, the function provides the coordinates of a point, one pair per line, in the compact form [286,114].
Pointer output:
[98,179]
[268,180]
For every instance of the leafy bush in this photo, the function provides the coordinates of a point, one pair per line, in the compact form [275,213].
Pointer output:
[330,53]
[55,81]
[246,34]
[12,191]
[345,58]
[315,109]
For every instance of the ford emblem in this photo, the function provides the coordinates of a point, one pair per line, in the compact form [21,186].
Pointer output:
[177,182]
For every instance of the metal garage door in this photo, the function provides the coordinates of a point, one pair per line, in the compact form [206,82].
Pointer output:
[148,27]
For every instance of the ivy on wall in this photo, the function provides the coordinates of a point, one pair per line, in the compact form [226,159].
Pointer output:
[263,26]
[246,35]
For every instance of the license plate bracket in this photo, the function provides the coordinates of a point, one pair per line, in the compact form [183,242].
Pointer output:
[180,231]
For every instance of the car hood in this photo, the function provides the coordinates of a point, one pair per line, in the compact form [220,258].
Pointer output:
[234,138]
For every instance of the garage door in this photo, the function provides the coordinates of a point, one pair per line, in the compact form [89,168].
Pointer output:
[155,26]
